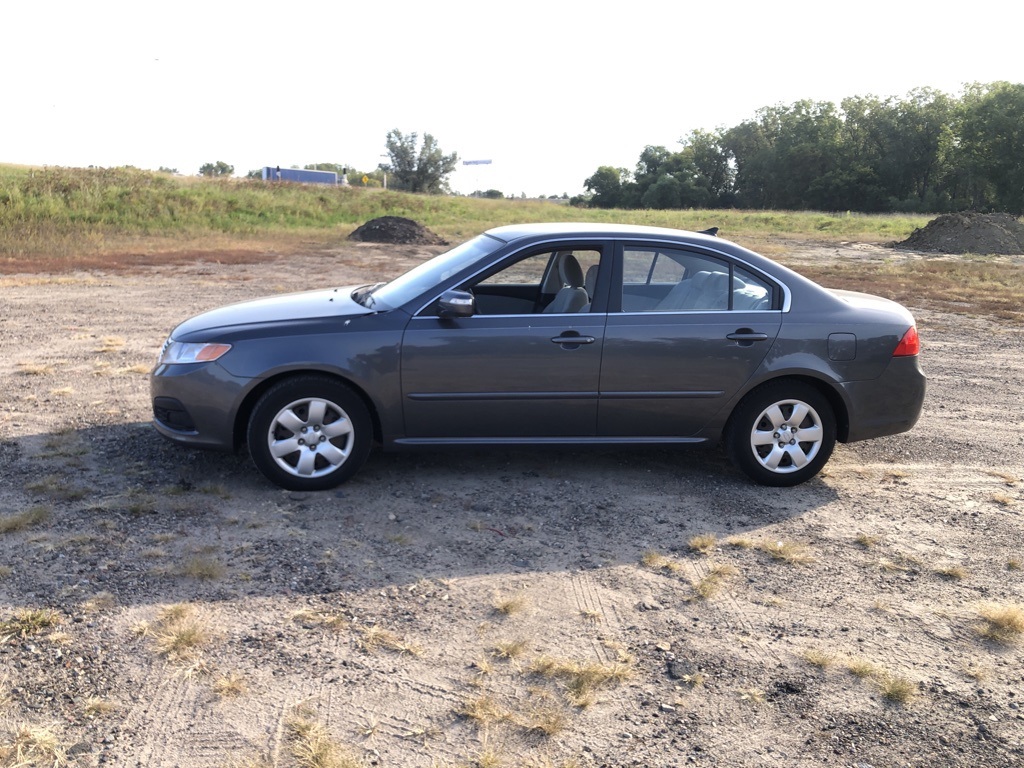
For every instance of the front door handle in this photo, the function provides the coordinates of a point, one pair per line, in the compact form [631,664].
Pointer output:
[572,340]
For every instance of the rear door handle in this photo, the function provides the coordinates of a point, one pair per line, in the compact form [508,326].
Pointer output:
[747,336]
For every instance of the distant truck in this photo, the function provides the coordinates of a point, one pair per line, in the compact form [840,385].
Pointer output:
[298,175]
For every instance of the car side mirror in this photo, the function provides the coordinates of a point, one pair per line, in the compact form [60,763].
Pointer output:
[454,304]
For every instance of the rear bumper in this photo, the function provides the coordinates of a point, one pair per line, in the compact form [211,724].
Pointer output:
[887,405]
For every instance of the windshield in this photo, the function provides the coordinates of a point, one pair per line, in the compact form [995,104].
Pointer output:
[430,273]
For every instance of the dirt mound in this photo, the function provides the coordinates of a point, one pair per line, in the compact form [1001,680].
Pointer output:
[983,233]
[395,229]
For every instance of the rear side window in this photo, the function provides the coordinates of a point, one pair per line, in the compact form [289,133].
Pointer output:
[671,280]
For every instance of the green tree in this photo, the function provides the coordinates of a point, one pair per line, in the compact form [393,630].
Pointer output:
[220,168]
[418,168]
[608,187]
[992,146]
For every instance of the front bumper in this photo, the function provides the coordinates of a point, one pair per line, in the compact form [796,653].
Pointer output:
[197,404]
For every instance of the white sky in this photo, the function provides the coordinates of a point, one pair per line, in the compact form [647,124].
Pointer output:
[548,91]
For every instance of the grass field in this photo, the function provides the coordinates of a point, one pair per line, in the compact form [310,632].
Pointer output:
[65,214]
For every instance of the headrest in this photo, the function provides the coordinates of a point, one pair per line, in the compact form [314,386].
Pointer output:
[570,271]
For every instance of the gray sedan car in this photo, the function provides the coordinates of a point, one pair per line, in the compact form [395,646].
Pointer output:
[539,334]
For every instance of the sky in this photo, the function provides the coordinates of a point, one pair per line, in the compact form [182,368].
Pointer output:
[547,91]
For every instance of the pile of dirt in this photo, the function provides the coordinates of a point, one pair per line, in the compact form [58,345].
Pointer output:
[395,229]
[982,233]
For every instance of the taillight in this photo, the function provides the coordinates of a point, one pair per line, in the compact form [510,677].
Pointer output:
[909,345]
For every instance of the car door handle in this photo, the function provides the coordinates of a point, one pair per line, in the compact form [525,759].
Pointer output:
[564,339]
[745,334]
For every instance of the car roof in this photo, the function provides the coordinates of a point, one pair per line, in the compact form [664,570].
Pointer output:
[512,232]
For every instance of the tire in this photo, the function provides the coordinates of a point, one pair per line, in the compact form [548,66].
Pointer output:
[309,433]
[782,433]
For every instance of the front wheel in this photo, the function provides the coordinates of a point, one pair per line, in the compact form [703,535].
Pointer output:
[782,433]
[309,433]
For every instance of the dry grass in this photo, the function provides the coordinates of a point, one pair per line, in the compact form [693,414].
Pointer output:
[712,583]
[658,562]
[1002,622]
[861,668]
[896,689]
[311,746]
[703,543]
[21,521]
[510,649]
[309,618]
[101,601]
[230,685]
[28,621]
[202,569]
[952,572]
[865,540]
[543,716]
[582,680]
[30,368]
[180,634]
[819,658]
[484,711]
[96,706]
[28,746]
[510,606]
[792,552]
[374,637]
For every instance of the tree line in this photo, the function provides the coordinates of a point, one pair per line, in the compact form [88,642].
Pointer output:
[926,152]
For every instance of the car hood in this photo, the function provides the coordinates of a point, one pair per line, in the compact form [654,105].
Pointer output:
[333,302]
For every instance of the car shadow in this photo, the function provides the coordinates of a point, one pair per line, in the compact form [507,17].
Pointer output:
[121,510]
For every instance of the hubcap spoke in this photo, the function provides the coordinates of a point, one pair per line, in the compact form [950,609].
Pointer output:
[332,453]
[774,415]
[797,456]
[811,434]
[280,448]
[290,420]
[317,409]
[772,459]
[336,428]
[307,463]
[762,437]
[800,411]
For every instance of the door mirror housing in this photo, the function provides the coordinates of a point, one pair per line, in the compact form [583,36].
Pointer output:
[454,304]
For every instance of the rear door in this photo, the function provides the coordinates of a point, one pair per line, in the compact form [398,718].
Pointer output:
[681,339]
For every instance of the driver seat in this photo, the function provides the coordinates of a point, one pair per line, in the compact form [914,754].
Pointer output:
[572,297]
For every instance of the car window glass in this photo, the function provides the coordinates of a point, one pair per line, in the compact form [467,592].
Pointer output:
[670,280]
[539,283]
[750,292]
[528,271]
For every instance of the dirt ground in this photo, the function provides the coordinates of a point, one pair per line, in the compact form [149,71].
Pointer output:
[162,607]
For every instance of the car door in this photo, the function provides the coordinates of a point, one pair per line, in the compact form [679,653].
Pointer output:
[690,329]
[512,369]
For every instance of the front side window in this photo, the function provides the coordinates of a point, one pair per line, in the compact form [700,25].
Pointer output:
[552,281]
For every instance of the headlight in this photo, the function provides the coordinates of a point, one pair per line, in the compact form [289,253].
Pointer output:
[178,352]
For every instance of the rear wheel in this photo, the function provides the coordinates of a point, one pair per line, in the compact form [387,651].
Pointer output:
[782,434]
[309,433]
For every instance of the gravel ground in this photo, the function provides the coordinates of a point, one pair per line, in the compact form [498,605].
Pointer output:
[162,607]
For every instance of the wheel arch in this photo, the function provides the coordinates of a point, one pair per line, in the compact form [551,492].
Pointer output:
[827,390]
[244,413]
